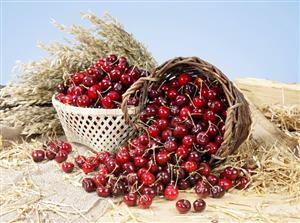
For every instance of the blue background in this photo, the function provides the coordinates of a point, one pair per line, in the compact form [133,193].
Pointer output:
[243,39]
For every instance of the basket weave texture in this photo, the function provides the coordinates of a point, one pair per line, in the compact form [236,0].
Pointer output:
[238,121]
[99,129]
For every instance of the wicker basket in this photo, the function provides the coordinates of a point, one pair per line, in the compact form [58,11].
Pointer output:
[238,121]
[99,129]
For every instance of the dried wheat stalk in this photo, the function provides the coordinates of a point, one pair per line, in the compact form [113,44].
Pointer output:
[36,80]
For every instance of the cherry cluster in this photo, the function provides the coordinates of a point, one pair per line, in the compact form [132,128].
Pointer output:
[101,85]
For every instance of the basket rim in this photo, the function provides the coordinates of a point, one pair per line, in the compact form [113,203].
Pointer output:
[91,111]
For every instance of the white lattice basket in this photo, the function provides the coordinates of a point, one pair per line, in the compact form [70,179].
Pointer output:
[99,129]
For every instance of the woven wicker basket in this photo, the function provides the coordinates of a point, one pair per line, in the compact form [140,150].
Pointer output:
[99,129]
[238,121]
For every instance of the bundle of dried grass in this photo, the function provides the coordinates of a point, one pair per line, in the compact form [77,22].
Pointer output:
[36,80]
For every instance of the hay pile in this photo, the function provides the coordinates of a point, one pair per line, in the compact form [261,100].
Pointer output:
[27,101]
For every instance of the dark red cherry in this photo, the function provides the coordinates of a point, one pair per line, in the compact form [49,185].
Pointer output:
[183,206]
[199,205]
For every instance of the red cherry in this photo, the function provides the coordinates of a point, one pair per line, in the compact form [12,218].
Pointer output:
[122,157]
[202,189]
[163,112]
[88,81]
[212,148]
[67,100]
[162,158]
[93,91]
[180,131]
[130,199]
[162,124]
[80,160]
[153,130]
[204,169]
[231,173]
[171,192]
[148,178]
[139,161]
[202,138]
[100,180]
[145,201]
[212,179]
[194,156]
[241,183]
[190,166]
[107,102]
[83,101]
[181,100]
[225,183]
[219,140]
[188,140]
[212,130]
[141,172]
[50,155]
[66,147]
[102,171]
[185,112]
[212,94]
[182,152]
[78,90]
[78,77]
[115,96]
[209,116]
[126,79]
[87,167]
[67,167]
[105,84]
[102,156]
[38,155]
[183,206]
[103,191]
[199,205]
[61,156]
[217,191]
[199,102]
[170,145]
[183,79]
[172,94]
[88,185]
[115,74]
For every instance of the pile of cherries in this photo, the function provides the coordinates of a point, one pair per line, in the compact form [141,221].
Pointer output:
[101,85]
[184,124]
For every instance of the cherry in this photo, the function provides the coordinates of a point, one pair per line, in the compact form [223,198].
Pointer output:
[107,102]
[118,87]
[230,173]
[202,138]
[88,81]
[217,191]
[188,140]
[163,112]
[130,199]
[147,178]
[66,147]
[209,116]
[112,166]
[196,129]
[212,148]
[162,158]
[241,183]
[128,167]
[115,96]
[194,178]
[212,179]
[225,183]
[212,94]
[204,169]
[170,145]
[126,79]
[185,112]
[212,130]
[100,180]
[149,191]
[115,74]
[162,124]
[183,184]
[199,102]
[171,192]
[78,90]
[103,191]
[102,171]
[183,79]
[144,140]
[164,177]
[105,84]
[61,156]
[139,161]
[38,155]
[202,189]
[183,206]
[216,106]
[83,101]
[180,131]
[181,100]
[88,185]
[172,93]
[145,201]
[67,167]
[194,156]
[93,91]
[182,151]
[87,167]
[166,134]
[199,205]
[132,179]
[50,154]
[80,160]
[219,140]
[153,130]
[67,100]
[122,157]
[190,166]
[77,78]
[103,156]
